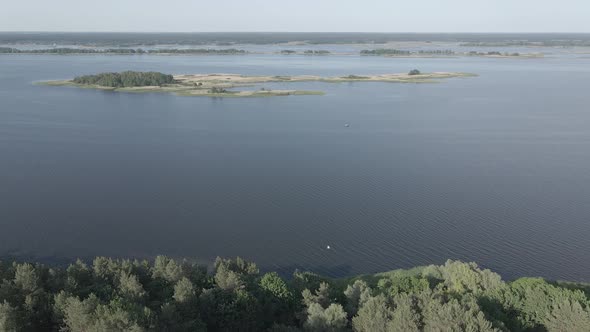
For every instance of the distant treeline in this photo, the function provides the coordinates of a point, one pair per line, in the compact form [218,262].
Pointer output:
[316,52]
[169,295]
[233,51]
[547,43]
[197,51]
[122,51]
[388,51]
[493,53]
[125,79]
[231,38]
[306,52]
[71,51]
[385,51]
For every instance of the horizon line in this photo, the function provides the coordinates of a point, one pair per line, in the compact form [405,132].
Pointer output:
[338,32]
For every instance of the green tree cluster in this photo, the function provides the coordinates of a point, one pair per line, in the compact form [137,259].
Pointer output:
[216,89]
[436,52]
[316,52]
[385,51]
[173,295]
[126,79]
[497,53]
[201,51]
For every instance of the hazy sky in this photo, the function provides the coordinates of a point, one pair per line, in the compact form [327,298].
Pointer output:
[297,15]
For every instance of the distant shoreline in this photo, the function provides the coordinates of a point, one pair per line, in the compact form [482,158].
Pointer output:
[384,52]
[132,39]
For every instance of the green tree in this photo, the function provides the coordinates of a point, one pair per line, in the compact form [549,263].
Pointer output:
[130,287]
[529,302]
[229,310]
[227,279]
[399,283]
[373,316]
[113,318]
[405,317]
[332,318]
[568,316]
[275,286]
[26,278]
[439,315]
[321,296]
[79,279]
[173,319]
[462,277]
[356,295]
[79,314]
[184,291]
[276,299]
[8,318]
[167,269]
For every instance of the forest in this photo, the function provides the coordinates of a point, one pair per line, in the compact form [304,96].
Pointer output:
[125,79]
[234,295]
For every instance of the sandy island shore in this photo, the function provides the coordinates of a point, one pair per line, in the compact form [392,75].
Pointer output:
[221,85]
[242,79]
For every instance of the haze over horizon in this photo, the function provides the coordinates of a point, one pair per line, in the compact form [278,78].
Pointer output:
[452,16]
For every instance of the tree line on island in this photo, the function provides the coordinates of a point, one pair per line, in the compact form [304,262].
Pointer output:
[125,79]
[172,295]
[396,52]
[547,43]
[306,52]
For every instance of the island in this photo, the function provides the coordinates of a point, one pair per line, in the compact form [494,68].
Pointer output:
[306,52]
[227,85]
[389,52]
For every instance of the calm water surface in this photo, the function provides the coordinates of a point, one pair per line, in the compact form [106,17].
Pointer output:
[493,169]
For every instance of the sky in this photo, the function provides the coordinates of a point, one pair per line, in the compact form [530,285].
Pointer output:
[296,15]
